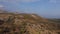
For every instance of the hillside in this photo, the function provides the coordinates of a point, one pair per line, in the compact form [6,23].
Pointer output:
[23,23]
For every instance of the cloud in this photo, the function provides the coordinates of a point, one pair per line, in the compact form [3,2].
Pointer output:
[16,1]
[1,6]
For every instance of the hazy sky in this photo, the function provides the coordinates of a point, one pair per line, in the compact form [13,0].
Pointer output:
[46,8]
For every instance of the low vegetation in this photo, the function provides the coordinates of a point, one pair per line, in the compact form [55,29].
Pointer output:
[26,24]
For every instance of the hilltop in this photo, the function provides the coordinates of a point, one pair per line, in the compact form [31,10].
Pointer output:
[23,23]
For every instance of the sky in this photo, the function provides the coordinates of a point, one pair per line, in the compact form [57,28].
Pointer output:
[45,8]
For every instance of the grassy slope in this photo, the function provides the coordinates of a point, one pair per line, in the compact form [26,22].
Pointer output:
[24,23]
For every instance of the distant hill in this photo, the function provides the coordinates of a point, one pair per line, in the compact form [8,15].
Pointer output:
[54,20]
[3,11]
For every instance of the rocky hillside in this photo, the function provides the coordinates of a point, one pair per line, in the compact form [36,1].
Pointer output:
[11,23]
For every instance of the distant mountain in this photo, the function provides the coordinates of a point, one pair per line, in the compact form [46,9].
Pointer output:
[55,20]
[3,11]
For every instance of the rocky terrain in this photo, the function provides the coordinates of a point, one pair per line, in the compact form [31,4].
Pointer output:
[23,23]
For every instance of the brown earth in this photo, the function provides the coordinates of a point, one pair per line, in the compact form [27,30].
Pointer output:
[23,23]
